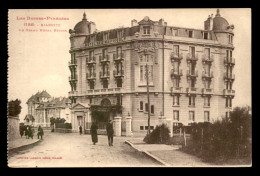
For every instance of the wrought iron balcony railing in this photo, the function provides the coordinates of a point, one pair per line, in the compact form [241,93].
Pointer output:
[91,60]
[207,58]
[91,76]
[104,75]
[207,75]
[229,61]
[176,56]
[176,90]
[207,91]
[229,76]
[191,90]
[192,57]
[118,57]
[118,73]
[176,73]
[104,59]
[229,92]
[192,74]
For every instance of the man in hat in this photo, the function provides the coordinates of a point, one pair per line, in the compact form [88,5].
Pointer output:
[110,132]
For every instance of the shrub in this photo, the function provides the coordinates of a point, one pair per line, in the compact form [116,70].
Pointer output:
[226,138]
[160,135]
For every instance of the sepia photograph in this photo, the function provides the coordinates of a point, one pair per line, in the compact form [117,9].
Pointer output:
[97,88]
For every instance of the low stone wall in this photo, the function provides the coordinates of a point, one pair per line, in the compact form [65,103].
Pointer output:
[13,128]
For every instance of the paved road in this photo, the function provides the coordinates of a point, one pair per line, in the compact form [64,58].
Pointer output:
[74,150]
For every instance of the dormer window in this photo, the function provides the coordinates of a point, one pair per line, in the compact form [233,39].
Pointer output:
[190,34]
[230,39]
[205,35]
[92,38]
[106,36]
[146,29]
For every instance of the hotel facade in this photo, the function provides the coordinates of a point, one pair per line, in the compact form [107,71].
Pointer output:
[190,72]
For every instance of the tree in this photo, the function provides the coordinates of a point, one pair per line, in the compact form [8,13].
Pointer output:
[14,107]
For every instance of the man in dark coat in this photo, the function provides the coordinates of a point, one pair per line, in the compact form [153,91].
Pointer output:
[40,132]
[93,131]
[110,132]
[80,130]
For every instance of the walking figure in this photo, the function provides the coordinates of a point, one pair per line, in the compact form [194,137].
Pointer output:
[80,130]
[110,132]
[40,132]
[93,131]
[27,132]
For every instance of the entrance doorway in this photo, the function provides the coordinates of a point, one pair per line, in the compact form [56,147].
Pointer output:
[80,121]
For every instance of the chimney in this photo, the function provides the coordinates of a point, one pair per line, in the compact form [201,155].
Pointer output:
[161,22]
[208,24]
[134,23]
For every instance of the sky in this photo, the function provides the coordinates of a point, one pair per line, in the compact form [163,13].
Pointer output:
[39,60]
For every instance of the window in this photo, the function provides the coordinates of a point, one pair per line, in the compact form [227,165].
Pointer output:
[190,34]
[141,127]
[141,74]
[119,34]
[119,51]
[205,35]
[105,84]
[104,53]
[146,29]
[228,102]
[92,38]
[146,107]
[206,116]
[175,32]
[146,64]
[191,116]
[207,101]
[152,109]
[227,114]
[207,53]
[192,51]
[119,82]
[191,100]
[106,36]
[119,100]
[176,100]
[141,108]
[90,100]
[192,83]
[176,115]
[92,85]
[176,50]
[151,127]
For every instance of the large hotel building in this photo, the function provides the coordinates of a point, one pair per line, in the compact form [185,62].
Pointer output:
[190,72]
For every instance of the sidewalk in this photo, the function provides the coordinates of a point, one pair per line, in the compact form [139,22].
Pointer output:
[167,155]
[19,143]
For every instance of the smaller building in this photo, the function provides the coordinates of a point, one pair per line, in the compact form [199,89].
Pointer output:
[42,107]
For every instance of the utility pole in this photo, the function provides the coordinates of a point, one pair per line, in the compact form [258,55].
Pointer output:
[148,97]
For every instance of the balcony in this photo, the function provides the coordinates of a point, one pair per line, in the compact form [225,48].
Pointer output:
[104,75]
[207,75]
[176,90]
[192,58]
[229,61]
[73,78]
[229,76]
[227,92]
[72,63]
[118,73]
[207,91]
[73,93]
[118,57]
[104,91]
[91,60]
[91,76]
[191,90]
[104,59]
[207,58]
[176,73]
[176,57]
[192,74]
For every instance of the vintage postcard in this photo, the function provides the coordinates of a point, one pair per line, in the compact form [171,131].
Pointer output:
[129,87]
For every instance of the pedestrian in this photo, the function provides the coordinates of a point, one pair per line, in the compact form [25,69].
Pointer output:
[30,132]
[80,130]
[110,132]
[40,132]
[27,132]
[93,131]
[21,131]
